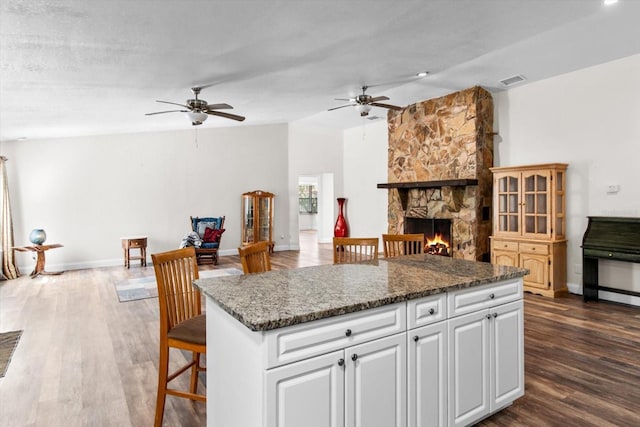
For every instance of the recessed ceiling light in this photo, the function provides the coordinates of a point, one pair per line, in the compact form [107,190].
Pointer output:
[610,2]
[422,74]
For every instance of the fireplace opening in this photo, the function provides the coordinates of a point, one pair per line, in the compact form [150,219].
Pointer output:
[437,234]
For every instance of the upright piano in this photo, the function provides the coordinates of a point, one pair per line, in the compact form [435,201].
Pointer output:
[616,238]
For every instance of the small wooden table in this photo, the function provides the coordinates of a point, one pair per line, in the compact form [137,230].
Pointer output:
[138,242]
[40,260]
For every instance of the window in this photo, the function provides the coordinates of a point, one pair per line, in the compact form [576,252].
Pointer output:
[307,199]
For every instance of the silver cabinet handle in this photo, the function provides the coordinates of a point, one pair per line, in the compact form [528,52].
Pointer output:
[416,338]
[354,357]
[432,310]
[348,332]
[340,362]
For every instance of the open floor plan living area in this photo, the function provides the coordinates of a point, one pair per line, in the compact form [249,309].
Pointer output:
[320,213]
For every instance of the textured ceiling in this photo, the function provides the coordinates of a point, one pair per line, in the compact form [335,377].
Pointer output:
[91,67]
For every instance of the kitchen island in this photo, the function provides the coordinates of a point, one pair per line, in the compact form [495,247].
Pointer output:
[417,340]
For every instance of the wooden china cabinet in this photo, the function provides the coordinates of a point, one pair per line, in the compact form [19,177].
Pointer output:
[257,218]
[529,224]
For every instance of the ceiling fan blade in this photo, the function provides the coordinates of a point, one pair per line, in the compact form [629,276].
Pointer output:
[379,98]
[342,106]
[170,111]
[226,115]
[219,107]
[345,99]
[173,103]
[390,107]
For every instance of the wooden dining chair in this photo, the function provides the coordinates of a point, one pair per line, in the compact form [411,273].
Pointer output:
[182,323]
[255,258]
[402,244]
[348,250]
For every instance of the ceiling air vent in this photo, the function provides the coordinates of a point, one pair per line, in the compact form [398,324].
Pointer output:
[373,118]
[513,80]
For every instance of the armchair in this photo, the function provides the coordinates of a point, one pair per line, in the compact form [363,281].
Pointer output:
[210,230]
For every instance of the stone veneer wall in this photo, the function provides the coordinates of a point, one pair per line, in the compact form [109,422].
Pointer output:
[440,139]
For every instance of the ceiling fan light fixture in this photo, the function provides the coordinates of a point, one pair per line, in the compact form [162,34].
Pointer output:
[363,109]
[197,117]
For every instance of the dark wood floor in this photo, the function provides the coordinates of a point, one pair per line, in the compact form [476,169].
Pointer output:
[86,359]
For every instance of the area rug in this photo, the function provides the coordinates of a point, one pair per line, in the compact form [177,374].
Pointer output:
[145,287]
[8,343]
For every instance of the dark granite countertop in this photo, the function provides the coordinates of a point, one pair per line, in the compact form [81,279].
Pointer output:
[286,297]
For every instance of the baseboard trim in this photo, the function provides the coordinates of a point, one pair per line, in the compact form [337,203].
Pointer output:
[607,296]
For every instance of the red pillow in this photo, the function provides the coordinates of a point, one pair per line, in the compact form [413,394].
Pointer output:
[212,235]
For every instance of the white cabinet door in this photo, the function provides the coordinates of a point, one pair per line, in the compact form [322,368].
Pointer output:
[468,368]
[427,378]
[376,383]
[507,359]
[306,393]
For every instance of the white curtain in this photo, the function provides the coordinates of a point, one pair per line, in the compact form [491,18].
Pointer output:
[9,268]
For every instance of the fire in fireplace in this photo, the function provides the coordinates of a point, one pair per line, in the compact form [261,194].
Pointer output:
[437,234]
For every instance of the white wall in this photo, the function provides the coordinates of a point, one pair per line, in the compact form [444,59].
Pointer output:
[590,120]
[315,151]
[365,166]
[88,192]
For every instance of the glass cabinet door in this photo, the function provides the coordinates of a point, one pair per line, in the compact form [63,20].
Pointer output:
[508,202]
[559,205]
[536,209]
[264,231]
[247,219]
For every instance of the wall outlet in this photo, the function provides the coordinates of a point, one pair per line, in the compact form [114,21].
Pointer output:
[613,189]
[578,269]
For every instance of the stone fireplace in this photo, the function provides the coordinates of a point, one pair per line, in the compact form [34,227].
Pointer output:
[440,152]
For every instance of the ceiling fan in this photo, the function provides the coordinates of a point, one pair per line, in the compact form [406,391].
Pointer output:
[198,110]
[364,102]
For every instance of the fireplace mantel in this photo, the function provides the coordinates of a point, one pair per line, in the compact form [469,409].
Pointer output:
[430,184]
[404,187]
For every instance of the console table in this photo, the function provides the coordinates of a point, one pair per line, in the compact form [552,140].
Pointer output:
[40,260]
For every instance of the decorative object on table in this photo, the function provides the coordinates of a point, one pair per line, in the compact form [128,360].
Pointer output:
[209,233]
[129,243]
[40,260]
[341,229]
[137,288]
[37,236]
[8,343]
[257,218]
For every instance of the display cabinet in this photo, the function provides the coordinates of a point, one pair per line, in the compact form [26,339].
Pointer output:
[257,218]
[529,224]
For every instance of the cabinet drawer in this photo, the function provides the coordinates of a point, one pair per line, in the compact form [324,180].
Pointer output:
[299,342]
[534,248]
[427,310]
[504,245]
[468,300]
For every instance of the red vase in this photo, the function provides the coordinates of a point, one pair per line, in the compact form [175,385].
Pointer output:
[341,229]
